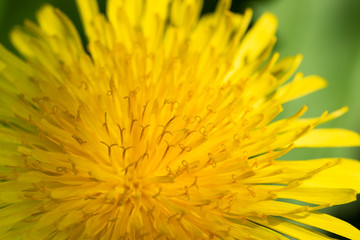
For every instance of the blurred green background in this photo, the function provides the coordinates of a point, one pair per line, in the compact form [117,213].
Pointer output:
[326,32]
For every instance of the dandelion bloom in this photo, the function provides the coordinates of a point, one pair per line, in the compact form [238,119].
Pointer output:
[162,128]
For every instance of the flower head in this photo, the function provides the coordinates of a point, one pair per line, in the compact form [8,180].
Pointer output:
[161,128]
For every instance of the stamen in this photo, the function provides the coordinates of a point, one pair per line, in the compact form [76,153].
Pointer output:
[83,84]
[79,140]
[189,120]
[37,165]
[78,114]
[233,176]
[181,216]
[157,194]
[237,138]
[186,193]
[149,212]
[122,197]
[251,191]
[223,146]
[69,115]
[162,135]
[167,149]
[210,126]
[189,133]
[55,108]
[198,119]
[142,131]
[61,170]
[133,120]
[143,112]
[169,122]
[26,163]
[113,219]
[179,171]
[170,173]
[92,177]
[184,148]
[129,103]
[202,130]
[174,104]
[105,123]
[124,150]
[73,168]
[121,134]
[146,154]
[194,184]
[211,160]
[109,147]
[210,109]
[112,85]
[171,217]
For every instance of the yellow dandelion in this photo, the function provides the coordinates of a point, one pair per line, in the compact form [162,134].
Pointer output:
[162,128]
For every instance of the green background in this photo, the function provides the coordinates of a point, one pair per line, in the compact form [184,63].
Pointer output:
[326,32]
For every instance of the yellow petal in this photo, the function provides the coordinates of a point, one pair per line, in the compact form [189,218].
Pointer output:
[257,39]
[249,230]
[154,14]
[13,191]
[290,229]
[14,74]
[299,87]
[15,213]
[133,10]
[185,13]
[58,211]
[88,9]
[328,223]
[55,23]
[302,122]
[319,195]
[346,174]
[329,138]
[286,67]
[290,171]
[267,207]
[72,218]
[331,116]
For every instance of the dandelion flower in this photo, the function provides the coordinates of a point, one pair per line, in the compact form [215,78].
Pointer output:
[162,127]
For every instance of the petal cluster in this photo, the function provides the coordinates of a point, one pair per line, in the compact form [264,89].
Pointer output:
[162,127]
